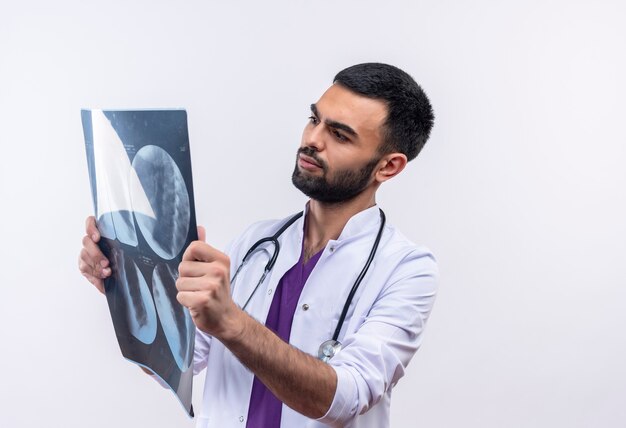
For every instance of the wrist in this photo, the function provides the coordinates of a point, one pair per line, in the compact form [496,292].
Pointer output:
[234,327]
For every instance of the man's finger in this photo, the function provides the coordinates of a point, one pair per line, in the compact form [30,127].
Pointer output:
[92,229]
[94,251]
[191,284]
[87,265]
[201,234]
[190,299]
[203,252]
[189,268]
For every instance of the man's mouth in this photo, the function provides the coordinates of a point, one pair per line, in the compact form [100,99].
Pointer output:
[308,162]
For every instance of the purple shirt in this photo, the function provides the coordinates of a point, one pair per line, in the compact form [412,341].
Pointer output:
[265,409]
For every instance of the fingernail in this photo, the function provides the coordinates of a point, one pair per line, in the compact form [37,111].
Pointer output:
[104,263]
[94,237]
[106,272]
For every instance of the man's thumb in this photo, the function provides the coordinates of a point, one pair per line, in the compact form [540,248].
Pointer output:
[201,234]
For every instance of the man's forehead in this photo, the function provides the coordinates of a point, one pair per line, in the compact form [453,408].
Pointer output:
[342,105]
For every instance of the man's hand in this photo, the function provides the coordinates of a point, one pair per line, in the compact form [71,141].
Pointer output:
[91,262]
[204,287]
[301,381]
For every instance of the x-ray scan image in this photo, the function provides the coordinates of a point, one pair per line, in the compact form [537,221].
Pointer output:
[164,186]
[140,175]
[177,324]
[132,291]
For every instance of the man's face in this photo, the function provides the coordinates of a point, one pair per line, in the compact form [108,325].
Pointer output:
[339,149]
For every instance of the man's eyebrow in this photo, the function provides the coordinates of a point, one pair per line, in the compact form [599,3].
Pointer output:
[334,123]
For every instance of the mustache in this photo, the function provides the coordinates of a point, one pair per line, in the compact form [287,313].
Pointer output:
[310,152]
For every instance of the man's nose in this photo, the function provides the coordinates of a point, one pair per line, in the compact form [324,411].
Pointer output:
[314,137]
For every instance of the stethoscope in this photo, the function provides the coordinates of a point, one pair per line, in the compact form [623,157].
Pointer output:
[331,347]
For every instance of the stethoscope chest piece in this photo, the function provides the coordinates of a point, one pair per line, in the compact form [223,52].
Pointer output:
[328,350]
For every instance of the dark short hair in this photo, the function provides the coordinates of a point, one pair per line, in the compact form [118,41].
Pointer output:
[410,116]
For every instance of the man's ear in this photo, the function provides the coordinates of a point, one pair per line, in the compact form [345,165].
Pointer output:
[391,165]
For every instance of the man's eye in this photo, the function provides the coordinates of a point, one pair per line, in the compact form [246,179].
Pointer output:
[339,135]
[313,120]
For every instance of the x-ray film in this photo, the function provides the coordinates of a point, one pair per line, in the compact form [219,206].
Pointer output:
[140,174]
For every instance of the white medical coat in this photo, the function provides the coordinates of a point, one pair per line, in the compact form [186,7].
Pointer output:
[382,331]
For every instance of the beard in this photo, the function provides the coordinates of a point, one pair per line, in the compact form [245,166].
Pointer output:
[347,184]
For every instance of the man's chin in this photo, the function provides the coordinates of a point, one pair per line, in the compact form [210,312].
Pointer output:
[305,185]
[324,197]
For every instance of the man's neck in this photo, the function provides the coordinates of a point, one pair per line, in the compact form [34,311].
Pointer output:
[326,221]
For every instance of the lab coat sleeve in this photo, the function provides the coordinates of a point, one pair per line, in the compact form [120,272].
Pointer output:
[201,351]
[375,356]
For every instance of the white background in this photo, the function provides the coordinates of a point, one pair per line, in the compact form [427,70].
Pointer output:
[520,191]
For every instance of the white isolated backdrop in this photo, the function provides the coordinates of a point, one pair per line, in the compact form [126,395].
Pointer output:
[520,191]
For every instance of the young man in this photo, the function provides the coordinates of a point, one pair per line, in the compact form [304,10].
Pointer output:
[264,340]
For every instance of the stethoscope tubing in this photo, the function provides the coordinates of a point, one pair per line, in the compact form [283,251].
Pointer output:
[366,267]
[270,264]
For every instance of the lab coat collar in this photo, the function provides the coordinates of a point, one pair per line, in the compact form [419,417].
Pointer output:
[359,224]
